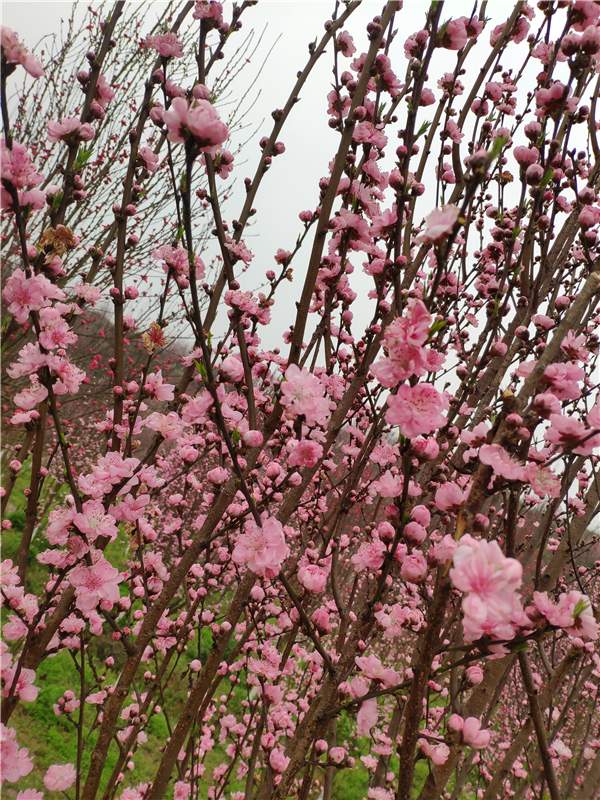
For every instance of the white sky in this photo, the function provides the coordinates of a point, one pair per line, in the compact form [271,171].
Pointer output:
[292,183]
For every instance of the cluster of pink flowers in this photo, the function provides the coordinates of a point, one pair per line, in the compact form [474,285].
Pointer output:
[15,760]
[404,343]
[490,582]
[17,169]
[302,393]
[417,410]
[262,549]
[197,122]
[166,45]
[272,523]
[70,129]
[14,52]
[492,605]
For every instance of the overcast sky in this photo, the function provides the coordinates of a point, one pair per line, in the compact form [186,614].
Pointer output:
[292,182]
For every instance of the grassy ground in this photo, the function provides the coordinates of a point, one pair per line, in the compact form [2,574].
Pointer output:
[52,739]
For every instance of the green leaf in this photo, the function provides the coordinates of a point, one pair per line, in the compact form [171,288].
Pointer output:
[236,436]
[497,146]
[437,326]
[56,200]
[580,607]
[547,177]
[83,156]
[200,368]
[423,129]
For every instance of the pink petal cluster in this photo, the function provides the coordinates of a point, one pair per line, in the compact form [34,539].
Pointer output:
[70,129]
[417,409]
[573,613]
[197,122]
[15,52]
[303,393]
[166,45]
[23,294]
[404,341]
[15,760]
[471,731]
[490,582]
[439,224]
[59,777]
[95,584]
[503,465]
[263,548]
[16,168]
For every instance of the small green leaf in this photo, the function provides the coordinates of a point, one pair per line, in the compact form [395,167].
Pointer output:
[236,436]
[423,129]
[497,147]
[200,368]
[580,607]
[83,156]
[547,177]
[437,326]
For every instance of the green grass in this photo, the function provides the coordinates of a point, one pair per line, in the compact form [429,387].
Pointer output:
[52,739]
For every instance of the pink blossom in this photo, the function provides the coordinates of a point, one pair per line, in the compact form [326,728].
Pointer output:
[168,425]
[404,341]
[417,409]
[337,754]
[543,481]
[15,760]
[149,159]
[59,777]
[439,224]
[278,760]
[24,294]
[573,613]
[198,121]
[369,556]
[208,10]
[474,735]
[568,433]
[436,753]
[166,45]
[23,687]
[366,717]
[232,369]
[302,393]
[70,129]
[15,52]
[474,674]
[372,668]
[30,397]
[453,35]
[93,522]
[304,453]
[262,549]
[98,583]
[443,551]
[490,580]
[157,388]
[345,44]
[414,568]
[313,577]
[496,457]
[481,568]
[449,497]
